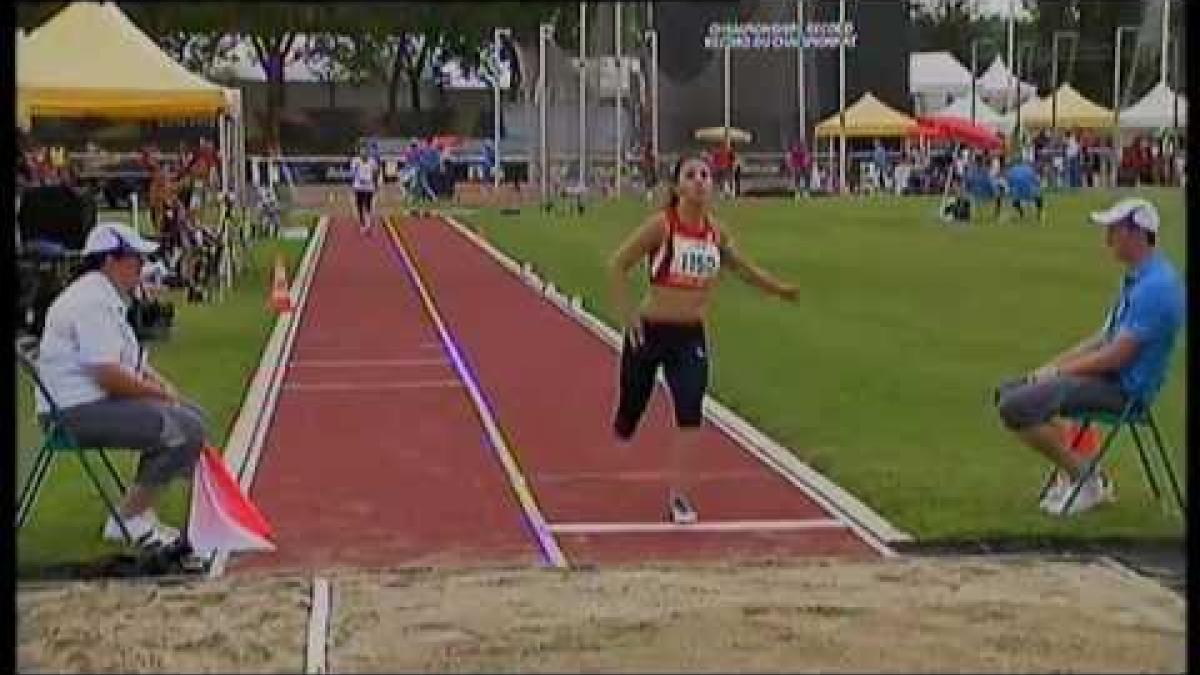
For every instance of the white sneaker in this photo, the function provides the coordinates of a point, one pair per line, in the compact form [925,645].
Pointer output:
[1097,490]
[682,512]
[1056,492]
[145,528]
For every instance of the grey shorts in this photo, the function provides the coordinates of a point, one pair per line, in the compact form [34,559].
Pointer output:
[168,437]
[1023,404]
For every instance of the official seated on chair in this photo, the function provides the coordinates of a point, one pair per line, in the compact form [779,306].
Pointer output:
[93,367]
[1125,362]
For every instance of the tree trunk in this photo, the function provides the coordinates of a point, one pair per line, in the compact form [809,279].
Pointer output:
[394,88]
[414,91]
[332,93]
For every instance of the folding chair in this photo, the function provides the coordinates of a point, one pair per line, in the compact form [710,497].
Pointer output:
[59,440]
[1135,414]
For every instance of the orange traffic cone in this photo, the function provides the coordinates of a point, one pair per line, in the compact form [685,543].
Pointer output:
[281,298]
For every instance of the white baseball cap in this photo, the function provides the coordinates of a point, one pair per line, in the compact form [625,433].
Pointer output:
[1135,210]
[108,237]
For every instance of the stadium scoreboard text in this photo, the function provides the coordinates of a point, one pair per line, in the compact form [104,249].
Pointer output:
[779,35]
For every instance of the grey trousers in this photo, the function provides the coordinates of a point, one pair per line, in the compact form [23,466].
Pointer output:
[1023,404]
[169,437]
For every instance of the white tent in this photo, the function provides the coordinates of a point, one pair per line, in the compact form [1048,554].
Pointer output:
[1156,110]
[937,72]
[996,86]
[984,113]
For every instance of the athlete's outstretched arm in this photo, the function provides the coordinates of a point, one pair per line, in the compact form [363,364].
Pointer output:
[734,260]
[644,240]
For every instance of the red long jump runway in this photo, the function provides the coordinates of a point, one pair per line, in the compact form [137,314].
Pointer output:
[375,455]
[551,385]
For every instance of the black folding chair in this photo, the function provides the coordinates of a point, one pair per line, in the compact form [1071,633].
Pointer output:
[57,440]
[1135,414]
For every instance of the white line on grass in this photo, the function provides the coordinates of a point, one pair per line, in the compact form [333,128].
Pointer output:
[869,525]
[318,627]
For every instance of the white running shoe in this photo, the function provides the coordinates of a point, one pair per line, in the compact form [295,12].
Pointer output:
[1056,492]
[1097,490]
[682,512]
[145,528]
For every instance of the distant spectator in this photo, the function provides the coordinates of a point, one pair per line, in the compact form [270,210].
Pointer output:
[799,165]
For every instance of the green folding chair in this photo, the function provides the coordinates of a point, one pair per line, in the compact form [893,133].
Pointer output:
[1135,414]
[58,440]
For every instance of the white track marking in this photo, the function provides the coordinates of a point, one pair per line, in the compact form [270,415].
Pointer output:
[318,627]
[375,386]
[366,363]
[869,525]
[547,544]
[245,441]
[702,526]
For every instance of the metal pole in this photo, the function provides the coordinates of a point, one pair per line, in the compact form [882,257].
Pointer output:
[544,31]
[1054,82]
[1012,43]
[620,83]
[1175,97]
[803,109]
[1116,132]
[725,72]
[842,93]
[496,106]
[654,94]
[582,94]
[974,67]
[1166,21]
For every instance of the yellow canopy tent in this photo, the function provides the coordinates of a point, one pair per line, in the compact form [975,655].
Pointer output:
[90,60]
[868,117]
[1073,111]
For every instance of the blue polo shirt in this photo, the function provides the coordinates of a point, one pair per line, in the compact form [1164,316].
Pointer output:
[1023,183]
[979,184]
[1150,307]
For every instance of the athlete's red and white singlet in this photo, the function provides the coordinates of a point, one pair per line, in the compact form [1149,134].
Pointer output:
[690,254]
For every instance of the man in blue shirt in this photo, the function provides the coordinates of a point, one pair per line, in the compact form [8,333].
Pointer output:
[1125,361]
[1024,186]
[979,185]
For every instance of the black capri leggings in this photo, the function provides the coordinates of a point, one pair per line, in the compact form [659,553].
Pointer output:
[362,200]
[682,352]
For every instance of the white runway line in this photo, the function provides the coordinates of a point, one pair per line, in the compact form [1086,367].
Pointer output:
[377,386]
[872,528]
[701,526]
[352,363]
[318,627]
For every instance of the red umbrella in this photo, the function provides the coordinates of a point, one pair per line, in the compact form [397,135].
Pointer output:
[925,130]
[964,131]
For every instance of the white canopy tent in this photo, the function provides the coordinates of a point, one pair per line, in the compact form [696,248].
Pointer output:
[984,113]
[996,87]
[935,78]
[1156,110]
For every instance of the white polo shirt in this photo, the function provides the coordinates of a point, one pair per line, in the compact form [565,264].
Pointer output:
[363,174]
[86,325]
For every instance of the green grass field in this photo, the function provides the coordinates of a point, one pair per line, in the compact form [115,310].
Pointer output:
[881,375]
[211,356]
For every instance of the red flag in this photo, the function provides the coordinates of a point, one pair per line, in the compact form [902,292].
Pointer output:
[222,516]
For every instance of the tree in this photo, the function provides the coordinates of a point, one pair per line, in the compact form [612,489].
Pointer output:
[338,58]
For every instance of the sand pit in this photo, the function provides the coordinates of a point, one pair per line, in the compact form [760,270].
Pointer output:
[915,614]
